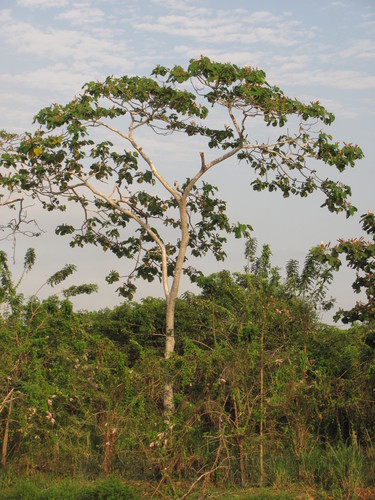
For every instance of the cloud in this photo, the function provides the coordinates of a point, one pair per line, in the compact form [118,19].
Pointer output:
[288,63]
[99,48]
[58,77]
[5,16]
[339,79]
[361,49]
[57,62]
[45,4]
[181,6]
[229,27]
[82,14]
[18,109]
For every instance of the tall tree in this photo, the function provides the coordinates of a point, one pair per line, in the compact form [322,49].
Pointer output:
[71,159]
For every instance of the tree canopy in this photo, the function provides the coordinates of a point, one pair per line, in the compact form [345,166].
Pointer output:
[65,160]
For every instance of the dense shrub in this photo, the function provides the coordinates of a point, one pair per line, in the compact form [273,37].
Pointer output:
[82,393]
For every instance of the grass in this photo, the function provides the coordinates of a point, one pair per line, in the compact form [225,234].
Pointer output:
[343,472]
[52,488]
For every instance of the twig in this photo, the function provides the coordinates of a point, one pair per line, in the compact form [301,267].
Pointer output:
[199,478]
[6,431]
[5,400]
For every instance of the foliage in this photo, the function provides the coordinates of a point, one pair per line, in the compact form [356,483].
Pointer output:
[10,299]
[311,283]
[88,392]
[11,196]
[66,155]
[30,364]
[360,256]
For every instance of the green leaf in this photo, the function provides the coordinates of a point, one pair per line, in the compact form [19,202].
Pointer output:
[86,289]
[112,277]
[61,275]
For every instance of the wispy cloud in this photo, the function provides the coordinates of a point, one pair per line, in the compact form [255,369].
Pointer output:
[96,48]
[58,77]
[82,14]
[361,49]
[367,15]
[177,5]
[339,79]
[42,3]
[18,109]
[229,27]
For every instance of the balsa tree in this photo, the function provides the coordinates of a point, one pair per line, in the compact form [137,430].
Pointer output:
[95,152]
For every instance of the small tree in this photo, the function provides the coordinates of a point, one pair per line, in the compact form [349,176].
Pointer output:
[68,160]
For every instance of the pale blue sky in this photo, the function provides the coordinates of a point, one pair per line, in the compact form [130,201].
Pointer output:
[322,50]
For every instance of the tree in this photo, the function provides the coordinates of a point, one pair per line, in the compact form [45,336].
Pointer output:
[360,256]
[70,159]
[311,283]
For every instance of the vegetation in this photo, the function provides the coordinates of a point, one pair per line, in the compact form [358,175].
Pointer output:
[11,196]
[264,394]
[360,256]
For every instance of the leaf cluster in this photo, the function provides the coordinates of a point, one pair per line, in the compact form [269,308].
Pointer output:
[360,256]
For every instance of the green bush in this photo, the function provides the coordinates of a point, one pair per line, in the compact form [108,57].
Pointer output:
[87,394]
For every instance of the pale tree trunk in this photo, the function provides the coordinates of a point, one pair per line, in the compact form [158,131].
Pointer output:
[168,403]
[171,296]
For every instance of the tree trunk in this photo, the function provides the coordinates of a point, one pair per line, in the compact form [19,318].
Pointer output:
[261,437]
[6,433]
[168,403]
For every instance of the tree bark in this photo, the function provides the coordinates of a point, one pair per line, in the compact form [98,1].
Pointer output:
[6,433]
[168,403]
[261,437]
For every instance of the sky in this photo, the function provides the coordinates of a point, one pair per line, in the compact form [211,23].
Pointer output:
[322,50]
